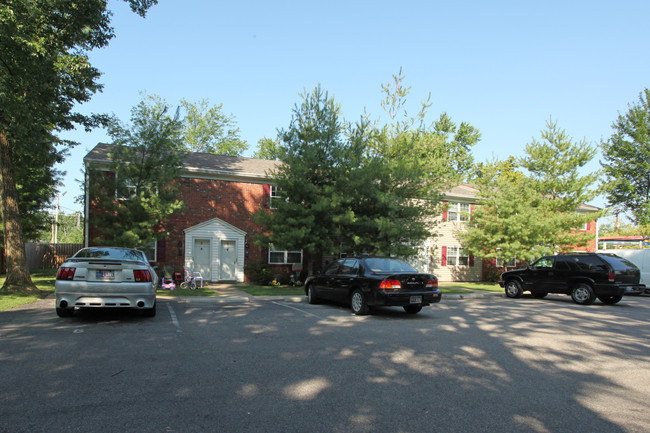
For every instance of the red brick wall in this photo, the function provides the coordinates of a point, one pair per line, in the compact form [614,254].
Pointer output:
[204,199]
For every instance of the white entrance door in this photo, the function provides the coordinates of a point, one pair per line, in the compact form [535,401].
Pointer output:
[201,254]
[228,260]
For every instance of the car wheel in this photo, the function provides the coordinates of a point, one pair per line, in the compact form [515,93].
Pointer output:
[412,309]
[358,303]
[64,312]
[513,289]
[583,294]
[610,300]
[311,296]
[150,312]
[539,295]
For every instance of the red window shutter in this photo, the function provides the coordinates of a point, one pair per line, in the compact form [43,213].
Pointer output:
[444,256]
[471,211]
[267,195]
[471,261]
[444,218]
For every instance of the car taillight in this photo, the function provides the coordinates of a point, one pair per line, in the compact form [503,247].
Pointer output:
[390,285]
[432,284]
[65,273]
[142,276]
[612,277]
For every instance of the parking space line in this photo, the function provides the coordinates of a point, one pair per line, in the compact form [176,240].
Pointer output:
[174,318]
[298,309]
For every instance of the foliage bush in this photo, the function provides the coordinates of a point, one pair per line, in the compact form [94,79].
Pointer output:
[258,272]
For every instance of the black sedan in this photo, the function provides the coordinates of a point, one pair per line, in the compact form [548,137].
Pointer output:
[365,282]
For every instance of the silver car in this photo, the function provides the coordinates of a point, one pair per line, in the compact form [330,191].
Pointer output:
[110,277]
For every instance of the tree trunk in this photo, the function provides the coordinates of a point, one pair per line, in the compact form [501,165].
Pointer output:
[18,278]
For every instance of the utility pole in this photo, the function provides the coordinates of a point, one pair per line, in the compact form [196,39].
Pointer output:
[56,219]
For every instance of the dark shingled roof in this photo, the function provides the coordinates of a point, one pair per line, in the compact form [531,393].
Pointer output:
[203,163]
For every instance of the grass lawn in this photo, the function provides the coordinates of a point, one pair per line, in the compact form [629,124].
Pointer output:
[272,290]
[44,280]
[459,286]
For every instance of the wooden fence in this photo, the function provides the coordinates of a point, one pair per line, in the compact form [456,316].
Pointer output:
[48,256]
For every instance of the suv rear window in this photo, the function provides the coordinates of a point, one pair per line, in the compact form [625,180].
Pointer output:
[618,263]
[589,263]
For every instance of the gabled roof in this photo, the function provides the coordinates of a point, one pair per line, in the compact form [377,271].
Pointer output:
[466,192]
[202,164]
[462,191]
[215,222]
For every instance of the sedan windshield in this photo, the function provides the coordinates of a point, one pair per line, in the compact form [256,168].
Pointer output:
[381,266]
[110,253]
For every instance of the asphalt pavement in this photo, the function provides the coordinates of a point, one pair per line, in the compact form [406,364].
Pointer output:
[241,365]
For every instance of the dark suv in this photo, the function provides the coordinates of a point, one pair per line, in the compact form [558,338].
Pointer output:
[584,276]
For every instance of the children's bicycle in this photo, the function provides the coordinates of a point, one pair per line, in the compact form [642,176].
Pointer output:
[189,282]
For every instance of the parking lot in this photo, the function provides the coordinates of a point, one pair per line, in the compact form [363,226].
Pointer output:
[471,365]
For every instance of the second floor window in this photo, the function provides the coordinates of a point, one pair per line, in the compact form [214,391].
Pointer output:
[458,212]
[273,196]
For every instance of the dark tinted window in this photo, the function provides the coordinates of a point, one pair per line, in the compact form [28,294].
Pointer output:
[618,263]
[564,264]
[350,267]
[110,253]
[589,263]
[333,268]
[381,266]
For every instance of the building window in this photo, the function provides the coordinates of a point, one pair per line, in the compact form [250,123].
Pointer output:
[273,196]
[458,212]
[125,189]
[456,256]
[283,257]
[150,251]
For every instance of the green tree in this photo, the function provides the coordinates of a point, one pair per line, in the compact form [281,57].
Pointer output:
[70,229]
[313,159]
[268,148]
[528,206]
[427,157]
[627,161]
[146,158]
[384,218]
[207,129]
[36,183]
[358,188]
[44,72]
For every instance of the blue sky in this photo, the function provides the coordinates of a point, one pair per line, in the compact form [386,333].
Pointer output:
[505,67]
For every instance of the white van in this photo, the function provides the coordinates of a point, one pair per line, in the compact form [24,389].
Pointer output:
[640,257]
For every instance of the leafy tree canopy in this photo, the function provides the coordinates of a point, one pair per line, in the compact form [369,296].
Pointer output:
[268,148]
[357,187]
[207,129]
[627,161]
[44,72]
[528,206]
[146,158]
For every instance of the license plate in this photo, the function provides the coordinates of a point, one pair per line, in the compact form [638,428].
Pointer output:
[105,275]
[416,299]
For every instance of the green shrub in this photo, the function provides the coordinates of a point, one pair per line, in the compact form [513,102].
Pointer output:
[258,272]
